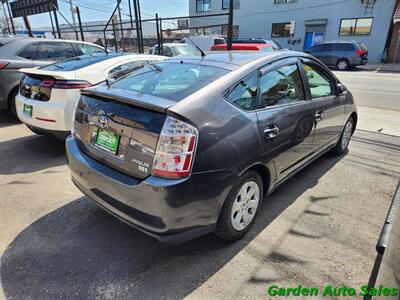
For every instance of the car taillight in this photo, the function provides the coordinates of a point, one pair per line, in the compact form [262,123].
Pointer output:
[360,52]
[47,83]
[175,149]
[3,64]
[71,84]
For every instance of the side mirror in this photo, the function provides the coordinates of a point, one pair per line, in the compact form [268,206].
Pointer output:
[340,89]
[307,51]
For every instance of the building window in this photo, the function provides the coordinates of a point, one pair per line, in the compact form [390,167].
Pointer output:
[280,30]
[225,4]
[235,30]
[360,26]
[284,1]
[203,5]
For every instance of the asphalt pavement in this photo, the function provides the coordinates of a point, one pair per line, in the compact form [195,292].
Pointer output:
[319,228]
[373,89]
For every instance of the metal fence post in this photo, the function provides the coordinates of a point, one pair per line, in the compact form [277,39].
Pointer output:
[140,27]
[115,35]
[161,35]
[57,25]
[80,23]
[121,26]
[52,25]
[158,35]
[139,40]
[230,26]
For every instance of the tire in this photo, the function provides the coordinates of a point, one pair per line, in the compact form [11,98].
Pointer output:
[343,143]
[11,102]
[343,64]
[241,207]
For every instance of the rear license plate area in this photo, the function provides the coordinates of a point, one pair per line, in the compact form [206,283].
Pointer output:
[107,141]
[27,110]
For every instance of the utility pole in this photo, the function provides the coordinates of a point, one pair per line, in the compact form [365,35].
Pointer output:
[11,18]
[6,18]
[71,7]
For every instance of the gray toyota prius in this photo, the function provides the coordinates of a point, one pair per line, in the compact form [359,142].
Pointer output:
[191,145]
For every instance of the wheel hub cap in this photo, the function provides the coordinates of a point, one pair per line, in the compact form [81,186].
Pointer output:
[245,205]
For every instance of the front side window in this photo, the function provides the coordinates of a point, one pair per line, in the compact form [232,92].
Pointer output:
[244,94]
[360,26]
[225,4]
[203,5]
[280,30]
[29,51]
[281,86]
[55,51]
[171,80]
[319,83]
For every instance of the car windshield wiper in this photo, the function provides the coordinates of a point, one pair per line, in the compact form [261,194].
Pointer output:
[155,67]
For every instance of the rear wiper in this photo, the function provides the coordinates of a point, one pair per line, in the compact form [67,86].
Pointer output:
[113,77]
[155,67]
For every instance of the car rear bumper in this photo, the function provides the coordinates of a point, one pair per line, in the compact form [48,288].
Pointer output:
[171,211]
[46,115]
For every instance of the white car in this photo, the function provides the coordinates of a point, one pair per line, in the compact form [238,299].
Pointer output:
[48,95]
[174,49]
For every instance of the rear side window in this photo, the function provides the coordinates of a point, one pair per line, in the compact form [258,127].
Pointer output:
[170,80]
[343,47]
[77,62]
[319,83]
[55,51]
[29,51]
[244,94]
[281,86]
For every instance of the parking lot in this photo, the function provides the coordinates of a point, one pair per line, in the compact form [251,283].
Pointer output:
[319,228]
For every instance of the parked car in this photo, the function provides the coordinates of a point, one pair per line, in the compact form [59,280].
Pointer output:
[174,49]
[191,145]
[274,43]
[31,52]
[48,95]
[343,55]
[204,42]
[242,46]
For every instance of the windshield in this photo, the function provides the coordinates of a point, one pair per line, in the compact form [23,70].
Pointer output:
[78,62]
[185,49]
[171,80]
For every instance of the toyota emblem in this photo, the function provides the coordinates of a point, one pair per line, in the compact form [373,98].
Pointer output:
[103,122]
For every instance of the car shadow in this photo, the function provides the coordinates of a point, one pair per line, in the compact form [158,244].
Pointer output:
[80,251]
[30,153]
[7,119]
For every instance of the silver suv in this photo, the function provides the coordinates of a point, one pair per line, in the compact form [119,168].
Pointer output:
[343,55]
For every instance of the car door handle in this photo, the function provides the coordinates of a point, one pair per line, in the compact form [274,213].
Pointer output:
[319,115]
[271,131]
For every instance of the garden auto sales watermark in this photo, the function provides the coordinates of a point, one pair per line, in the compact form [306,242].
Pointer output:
[331,291]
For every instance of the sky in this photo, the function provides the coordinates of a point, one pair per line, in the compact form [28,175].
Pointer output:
[100,10]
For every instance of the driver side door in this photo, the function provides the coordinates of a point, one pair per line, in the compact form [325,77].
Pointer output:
[285,117]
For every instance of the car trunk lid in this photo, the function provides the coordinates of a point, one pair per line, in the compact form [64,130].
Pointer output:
[120,129]
[37,84]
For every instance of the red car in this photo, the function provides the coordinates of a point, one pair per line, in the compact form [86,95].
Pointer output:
[243,46]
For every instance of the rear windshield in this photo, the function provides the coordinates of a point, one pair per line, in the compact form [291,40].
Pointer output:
[184,50]
[362,46]
[79,62]
[170,80]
